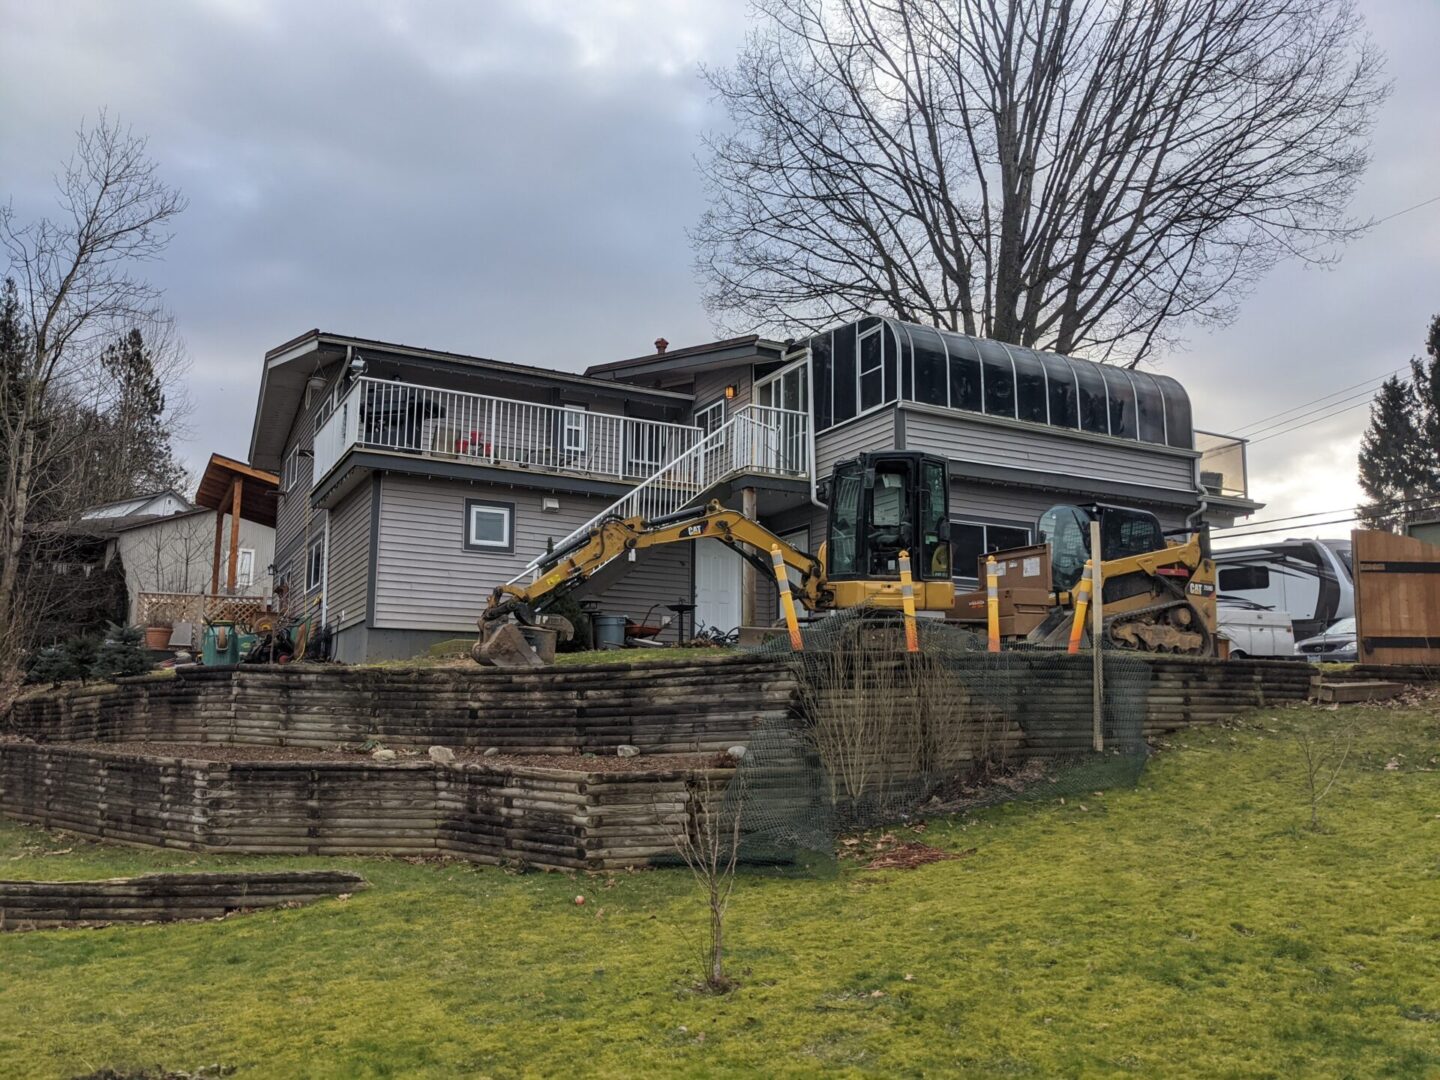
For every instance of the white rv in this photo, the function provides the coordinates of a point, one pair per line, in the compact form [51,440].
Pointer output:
[1309,579]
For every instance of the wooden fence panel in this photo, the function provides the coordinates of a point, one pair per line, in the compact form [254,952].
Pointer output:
[1397,598]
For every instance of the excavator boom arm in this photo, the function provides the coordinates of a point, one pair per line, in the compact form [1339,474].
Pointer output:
[573,565]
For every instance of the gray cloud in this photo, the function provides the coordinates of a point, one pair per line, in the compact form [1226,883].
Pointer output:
[515,180]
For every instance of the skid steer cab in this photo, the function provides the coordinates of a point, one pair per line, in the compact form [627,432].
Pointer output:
[881,504]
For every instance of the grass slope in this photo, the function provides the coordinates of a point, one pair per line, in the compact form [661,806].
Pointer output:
[1190,927]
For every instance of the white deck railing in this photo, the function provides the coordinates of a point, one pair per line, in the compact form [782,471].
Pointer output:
[757,439]
[478,428]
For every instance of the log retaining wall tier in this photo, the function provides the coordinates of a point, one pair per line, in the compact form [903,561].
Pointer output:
[485,813]
[35,905]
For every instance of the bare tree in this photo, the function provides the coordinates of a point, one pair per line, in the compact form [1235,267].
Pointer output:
[1323,759]
[707,838]
[1079,175]
[77,292]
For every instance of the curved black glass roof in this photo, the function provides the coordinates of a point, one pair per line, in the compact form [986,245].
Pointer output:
[945,368]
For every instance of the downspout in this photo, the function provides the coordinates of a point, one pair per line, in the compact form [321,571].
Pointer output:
[810,426]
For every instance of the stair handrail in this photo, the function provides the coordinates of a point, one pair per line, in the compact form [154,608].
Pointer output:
[679,483]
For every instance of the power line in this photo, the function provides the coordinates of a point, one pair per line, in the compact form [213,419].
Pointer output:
[1315,524]
[1364,397]
[1398,213]
[1381,507]
[1315,401]
[1308,423]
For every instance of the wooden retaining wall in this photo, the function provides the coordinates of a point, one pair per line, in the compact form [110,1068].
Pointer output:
[35,905]
[659,706]
[485,813]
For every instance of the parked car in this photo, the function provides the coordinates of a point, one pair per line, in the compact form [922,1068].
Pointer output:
[1254,630]
[1335,646]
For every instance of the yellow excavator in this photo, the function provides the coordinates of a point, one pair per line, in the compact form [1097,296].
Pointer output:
[1158,589]
[880,504]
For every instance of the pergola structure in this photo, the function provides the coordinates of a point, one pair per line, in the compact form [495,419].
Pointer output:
[233,487]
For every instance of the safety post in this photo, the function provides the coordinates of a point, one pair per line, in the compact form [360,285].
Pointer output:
[907,601]
[992,604]
[1097,636]
[787,602]
[1082,604]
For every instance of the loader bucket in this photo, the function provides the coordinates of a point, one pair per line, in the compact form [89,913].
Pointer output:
[505,646]
[1054,632]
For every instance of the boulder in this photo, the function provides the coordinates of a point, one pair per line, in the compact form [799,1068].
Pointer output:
[384,755]
[627,750]
[442,755]
[736,752]
[493,751]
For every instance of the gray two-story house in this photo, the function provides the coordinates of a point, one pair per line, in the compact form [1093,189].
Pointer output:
[413,481]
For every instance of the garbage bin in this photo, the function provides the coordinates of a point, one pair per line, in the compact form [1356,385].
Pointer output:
[220,645]
[609,631]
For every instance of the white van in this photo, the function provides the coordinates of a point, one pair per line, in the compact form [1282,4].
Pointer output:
[1256,631]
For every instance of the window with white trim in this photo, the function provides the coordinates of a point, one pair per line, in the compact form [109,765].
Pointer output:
[710,417]
[870,371]
[573,430]
[290,470]
[969,540]
[245,568]
[315,564]
[489,526]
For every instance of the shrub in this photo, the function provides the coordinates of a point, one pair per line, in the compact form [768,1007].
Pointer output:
[121,654]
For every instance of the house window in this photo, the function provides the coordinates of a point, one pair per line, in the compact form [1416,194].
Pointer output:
[489,526]
[315,564]
[971,540]
[573,431]
[870,373]
[645,444]
[245,568]
[710,418]
[290,470]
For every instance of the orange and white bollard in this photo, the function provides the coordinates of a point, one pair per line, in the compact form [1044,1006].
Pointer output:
[1082,604]
[992,605]
[787,602]
[907,603]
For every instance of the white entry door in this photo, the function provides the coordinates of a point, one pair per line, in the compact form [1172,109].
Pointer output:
[717,585]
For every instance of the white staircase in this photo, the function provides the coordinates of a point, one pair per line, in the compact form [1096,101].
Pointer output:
[757,439]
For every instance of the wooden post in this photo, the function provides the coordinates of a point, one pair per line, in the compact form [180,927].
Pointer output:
[748,577]
[1097,633]
[219,546]
[236,487]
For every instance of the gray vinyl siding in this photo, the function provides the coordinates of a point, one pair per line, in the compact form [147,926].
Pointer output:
[426,580]
[873,431]
[349,573]
[710,387]
[295,521]
[964,437]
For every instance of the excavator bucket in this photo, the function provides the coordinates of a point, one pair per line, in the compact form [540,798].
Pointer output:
[505,646]
[1054,631]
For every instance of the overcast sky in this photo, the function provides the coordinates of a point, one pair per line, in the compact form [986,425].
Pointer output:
[515,180]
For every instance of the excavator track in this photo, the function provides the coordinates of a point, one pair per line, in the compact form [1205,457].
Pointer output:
[1173,626]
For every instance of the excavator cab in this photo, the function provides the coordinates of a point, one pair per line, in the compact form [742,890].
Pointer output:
[880,505]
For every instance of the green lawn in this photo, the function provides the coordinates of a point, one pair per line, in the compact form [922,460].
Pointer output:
[1190,927]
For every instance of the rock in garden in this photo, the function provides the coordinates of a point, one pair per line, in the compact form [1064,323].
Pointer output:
[626,750]
[736,752]
[383,755]
[493,751]
[442,754]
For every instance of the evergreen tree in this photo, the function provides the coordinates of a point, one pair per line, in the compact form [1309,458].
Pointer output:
[123,653]
[1400,452]
[134,453]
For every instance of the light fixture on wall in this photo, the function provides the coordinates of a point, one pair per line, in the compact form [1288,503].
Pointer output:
[730,391]
[550,505]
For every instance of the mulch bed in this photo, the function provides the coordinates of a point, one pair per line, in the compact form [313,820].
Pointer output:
[226,752]
[888,852]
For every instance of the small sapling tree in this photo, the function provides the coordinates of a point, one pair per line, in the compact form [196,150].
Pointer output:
[1323,758]
[707,838]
